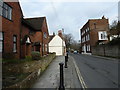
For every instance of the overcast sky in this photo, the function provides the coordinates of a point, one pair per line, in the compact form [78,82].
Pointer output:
[70,15]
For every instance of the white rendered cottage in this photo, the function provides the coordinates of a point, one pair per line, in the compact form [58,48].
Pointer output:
[57,45]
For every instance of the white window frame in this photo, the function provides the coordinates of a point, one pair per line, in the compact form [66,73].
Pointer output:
[6,10]
[104,37]
[88,47]
[1,41]
[88,37]
[14,43]
[46,47]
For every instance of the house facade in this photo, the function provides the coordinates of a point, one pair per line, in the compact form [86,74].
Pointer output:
[36,36]
[94,32]
[11,16]
[20,36]
[57,45]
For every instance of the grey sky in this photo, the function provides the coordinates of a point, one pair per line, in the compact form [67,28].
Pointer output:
[70,15]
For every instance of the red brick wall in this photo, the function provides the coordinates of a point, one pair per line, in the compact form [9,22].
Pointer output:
[38,38]
[45,40]
[25,49]
[11,28]
[101,25]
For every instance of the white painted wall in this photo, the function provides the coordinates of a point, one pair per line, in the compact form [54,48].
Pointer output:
[56,45]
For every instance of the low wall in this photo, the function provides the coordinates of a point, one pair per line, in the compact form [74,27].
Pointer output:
[105,50]
[35,68]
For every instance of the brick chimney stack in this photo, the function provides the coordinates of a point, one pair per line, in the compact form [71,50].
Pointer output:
[60,33]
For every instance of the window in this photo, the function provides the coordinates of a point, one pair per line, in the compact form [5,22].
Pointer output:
[88,28]
[1,5]
[1,42]
[88,47]
[85,38]
[46,47]
[102,35]
[45,35]
[14,43]
[88,37]
[5,10]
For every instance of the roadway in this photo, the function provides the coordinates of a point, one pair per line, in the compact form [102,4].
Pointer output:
[97,72]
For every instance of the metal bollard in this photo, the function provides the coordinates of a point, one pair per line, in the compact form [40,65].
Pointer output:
[67,57]
[61,87]
[66,61]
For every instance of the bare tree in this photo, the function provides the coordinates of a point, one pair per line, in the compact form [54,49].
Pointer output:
[113,25]
[68,39]
[116,27]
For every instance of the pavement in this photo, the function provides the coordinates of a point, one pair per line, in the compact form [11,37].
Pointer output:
[50,78]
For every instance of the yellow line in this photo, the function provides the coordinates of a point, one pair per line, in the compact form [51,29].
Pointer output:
[79,75]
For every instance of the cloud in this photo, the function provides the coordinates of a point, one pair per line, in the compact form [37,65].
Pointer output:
[69,0]
[69,15]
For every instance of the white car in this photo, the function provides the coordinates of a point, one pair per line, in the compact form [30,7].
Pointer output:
[75,52]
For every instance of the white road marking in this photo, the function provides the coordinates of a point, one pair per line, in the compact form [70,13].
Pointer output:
[79,75]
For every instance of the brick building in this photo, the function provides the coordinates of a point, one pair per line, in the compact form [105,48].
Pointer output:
[35,36]
[11,16]
[19,36]
[94,32]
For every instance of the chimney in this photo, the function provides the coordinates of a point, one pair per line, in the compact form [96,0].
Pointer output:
[103,17]
[60,33]
[53,33]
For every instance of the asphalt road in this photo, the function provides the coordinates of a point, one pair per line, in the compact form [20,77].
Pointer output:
[97,72]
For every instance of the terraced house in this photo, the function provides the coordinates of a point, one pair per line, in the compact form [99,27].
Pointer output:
[94,32]
[11,15]
[35,36]
[20,36]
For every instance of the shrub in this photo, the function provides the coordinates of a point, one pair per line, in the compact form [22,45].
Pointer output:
[35,55]
[115,41]
[28,58]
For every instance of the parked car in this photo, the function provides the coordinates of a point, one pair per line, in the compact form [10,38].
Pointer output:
[75,52]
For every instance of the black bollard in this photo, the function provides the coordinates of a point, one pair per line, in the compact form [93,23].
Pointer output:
[61,87]
[66,61]
[67,56]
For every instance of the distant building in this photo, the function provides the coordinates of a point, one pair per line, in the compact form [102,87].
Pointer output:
[94,32]
[57,45]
